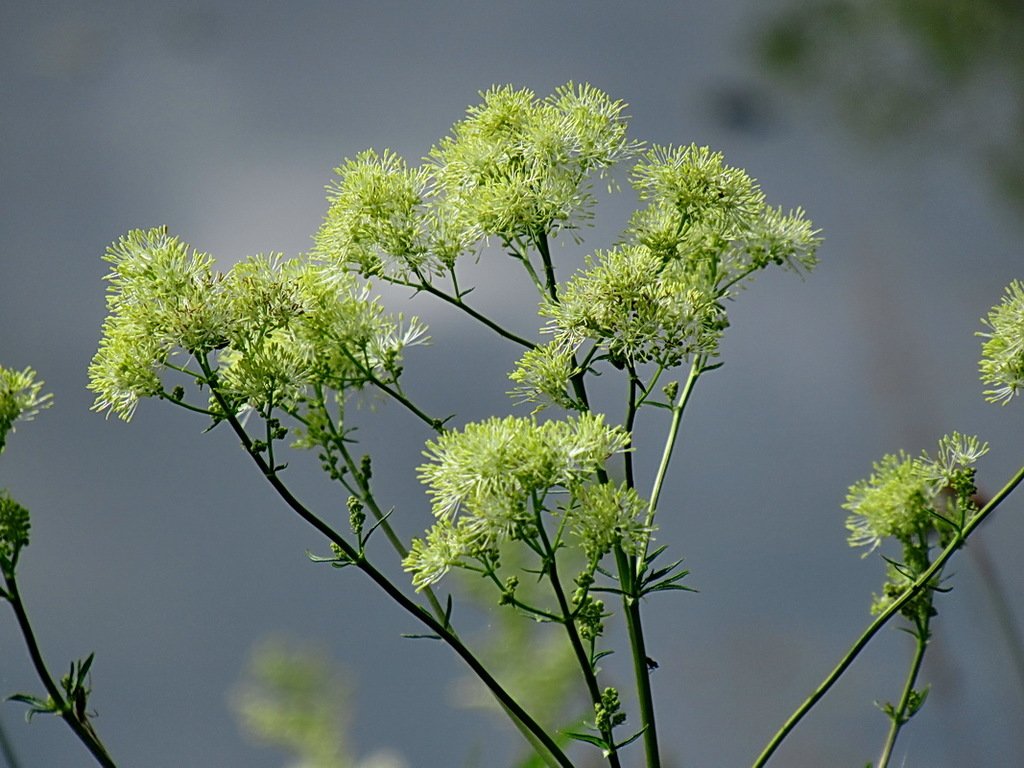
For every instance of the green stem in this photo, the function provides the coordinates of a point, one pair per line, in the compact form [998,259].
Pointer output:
[81,728]
[631,409]
[920,584]
[382,521]
[899,717]
[641,663]
[574,636]
[359,560]
[726,286]
[189,407]
[517,251]
[435,424]
[696,368]
[478,316]
[551,282]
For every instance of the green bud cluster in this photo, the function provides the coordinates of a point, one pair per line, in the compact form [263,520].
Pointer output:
[356,516]
[14,528]
[590,616]
[608,713]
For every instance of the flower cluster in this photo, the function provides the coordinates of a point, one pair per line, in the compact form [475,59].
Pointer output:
[518,165]
[277,326]
[659,295]
[20,399]
[515,167]
[489,482]
[916,502]
[904,496]
[1002,362]
[378,220]
[638,308]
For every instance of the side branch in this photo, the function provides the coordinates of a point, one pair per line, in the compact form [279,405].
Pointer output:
[417,611]
[922,583]
[79,726]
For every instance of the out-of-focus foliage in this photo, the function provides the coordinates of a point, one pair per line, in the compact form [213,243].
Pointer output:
[952,69]
[292,697]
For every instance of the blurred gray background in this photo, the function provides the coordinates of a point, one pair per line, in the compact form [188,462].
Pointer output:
[158,547]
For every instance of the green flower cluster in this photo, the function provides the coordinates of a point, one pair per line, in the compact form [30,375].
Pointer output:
[489,483]
[277,326]
[905,496]
[378,220]
[659,296]
[516,168]
[1002,362]
[916,502]
[20,399]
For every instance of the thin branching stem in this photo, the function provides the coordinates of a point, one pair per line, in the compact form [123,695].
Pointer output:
[457,301]
[641,662]
[435,424]
[696,368]
[80,727]
[367,497]
[899,716]
[518,251]
[921,583]
[360,561]
[582,656]
[189,406]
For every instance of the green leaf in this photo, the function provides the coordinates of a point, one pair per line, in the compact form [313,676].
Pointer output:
[597,741]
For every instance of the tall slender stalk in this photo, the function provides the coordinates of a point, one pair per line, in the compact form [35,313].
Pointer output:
[569,621]
[79,726]
[360,561]
[920,584]
[457,301]
[641,662]
[696,369]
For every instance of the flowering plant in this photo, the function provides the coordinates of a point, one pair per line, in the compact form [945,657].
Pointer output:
[546,508]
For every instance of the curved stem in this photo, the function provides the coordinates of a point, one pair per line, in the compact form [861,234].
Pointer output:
[382,581]
[567,619]
[82,729]
[920,584]
[189,407]
[382,521]
[456,301]
[435,424]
